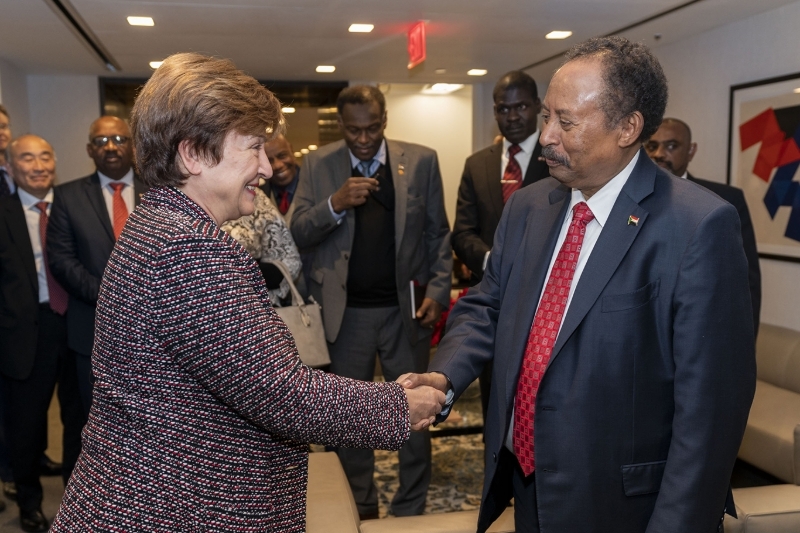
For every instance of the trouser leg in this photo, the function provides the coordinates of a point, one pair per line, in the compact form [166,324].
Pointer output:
[28,402]
[353,356]
[73,415]
[398,356]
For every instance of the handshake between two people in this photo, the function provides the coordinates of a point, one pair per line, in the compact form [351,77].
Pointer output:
[426,397]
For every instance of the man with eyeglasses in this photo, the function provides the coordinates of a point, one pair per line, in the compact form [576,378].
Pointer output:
[87,217]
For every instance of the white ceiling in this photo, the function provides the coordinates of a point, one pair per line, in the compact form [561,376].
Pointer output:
[287,39]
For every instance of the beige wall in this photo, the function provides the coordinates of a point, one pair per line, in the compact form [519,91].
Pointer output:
[441,122]
[61,109]
[701,71]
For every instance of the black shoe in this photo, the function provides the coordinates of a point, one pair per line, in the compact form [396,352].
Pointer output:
[33,520]
[48,467]
[368,516]
[2,506]
[10,490]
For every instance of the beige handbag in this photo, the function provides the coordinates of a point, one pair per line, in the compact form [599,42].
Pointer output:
[304,320]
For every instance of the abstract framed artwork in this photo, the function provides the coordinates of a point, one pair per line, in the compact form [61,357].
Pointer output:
[763,161]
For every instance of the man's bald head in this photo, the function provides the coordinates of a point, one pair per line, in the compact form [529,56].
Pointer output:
[32,162]
[671,146]
[110,146]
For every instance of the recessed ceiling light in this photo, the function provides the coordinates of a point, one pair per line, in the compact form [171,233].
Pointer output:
[558,34]
[312,147]
[141,21]
[288,109]
[440,70]
[360,28]
[155,64]
[326,68]
[477,72]
[304,151]
[298,154]
[797,90]
[442,88]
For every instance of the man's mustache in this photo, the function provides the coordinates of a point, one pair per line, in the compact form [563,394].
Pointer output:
[548,152]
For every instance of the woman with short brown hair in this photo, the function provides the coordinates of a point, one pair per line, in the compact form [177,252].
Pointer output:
[202,410]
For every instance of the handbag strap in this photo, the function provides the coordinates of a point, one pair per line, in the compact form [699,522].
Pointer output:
[297,299]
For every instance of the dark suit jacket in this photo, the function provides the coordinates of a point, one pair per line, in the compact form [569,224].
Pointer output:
[480,203]
[422,234]
[642,407]
[735,197]
[80,238]
[19,292]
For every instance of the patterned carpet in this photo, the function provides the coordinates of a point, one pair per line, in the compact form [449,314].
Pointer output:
[457,478]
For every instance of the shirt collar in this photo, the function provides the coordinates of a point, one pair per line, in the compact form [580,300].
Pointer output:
[380,156]
[603,200]
[29,201]
[527,145]
[127,179]
[685,175]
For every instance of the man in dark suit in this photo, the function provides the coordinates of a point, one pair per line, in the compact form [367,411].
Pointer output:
[282,186]
[671,148]
[32,325]
[492,174]
[88,215]
[374,211]
[616,310]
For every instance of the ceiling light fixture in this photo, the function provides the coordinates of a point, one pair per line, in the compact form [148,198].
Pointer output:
[326,68]
[477,72]
[298,154]
[304,151]
[558,34]
[440,70]
[360,28]
[141,21]
[155,64]
[312,147]
[797,91]
[442,88]
[288,109]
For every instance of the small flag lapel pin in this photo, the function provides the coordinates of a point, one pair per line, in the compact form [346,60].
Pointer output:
[633,220]
[401,169]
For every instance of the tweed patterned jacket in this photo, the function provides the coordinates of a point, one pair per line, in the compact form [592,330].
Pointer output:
[202,408]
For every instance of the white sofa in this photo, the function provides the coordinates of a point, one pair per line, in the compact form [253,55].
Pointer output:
[330,508]
[772,439]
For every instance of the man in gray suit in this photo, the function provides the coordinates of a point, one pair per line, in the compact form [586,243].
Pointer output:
[374,211]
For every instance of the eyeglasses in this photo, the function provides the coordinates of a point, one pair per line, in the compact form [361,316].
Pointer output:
[118,140]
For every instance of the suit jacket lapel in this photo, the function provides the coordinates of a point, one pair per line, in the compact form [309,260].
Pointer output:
[538,244]
[18,227]
[400,167]
[95,195]
[493,178]
[340,175]
[612,246]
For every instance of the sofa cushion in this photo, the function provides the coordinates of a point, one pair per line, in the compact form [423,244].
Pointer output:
[457,522]
[769,440]
[330,507]
[778,356]
[770,509]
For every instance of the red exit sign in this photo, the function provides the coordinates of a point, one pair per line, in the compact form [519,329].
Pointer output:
[416,44]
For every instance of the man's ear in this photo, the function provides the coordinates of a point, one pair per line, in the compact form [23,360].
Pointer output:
[692,150]
[630,129]
[189,159]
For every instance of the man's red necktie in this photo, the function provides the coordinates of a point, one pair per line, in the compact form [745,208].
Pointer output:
[542,338]
[120,215]
[58,296]
[283,205]
[512,177]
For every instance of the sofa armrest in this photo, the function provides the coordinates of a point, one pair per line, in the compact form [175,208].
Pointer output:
[330,507]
